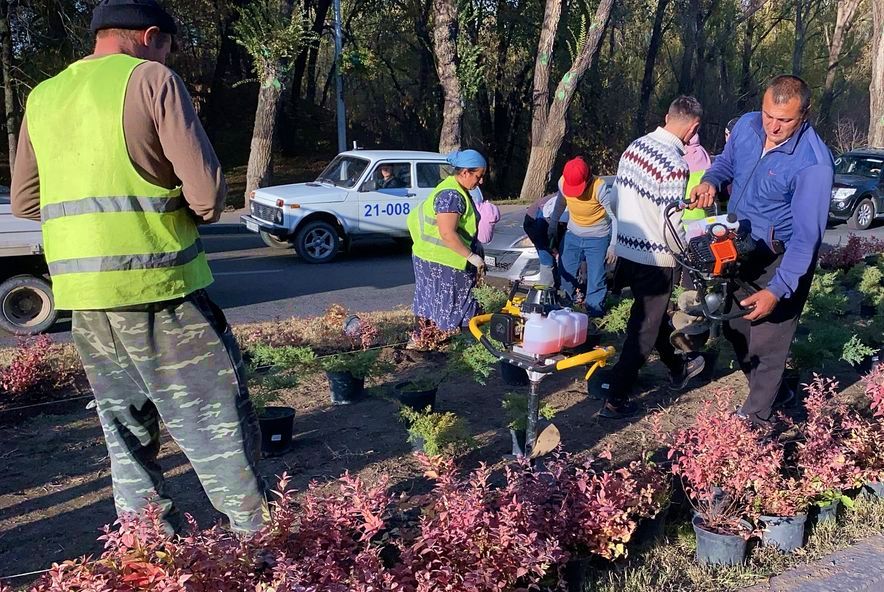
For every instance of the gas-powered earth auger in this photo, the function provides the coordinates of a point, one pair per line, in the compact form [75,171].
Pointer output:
[542,337]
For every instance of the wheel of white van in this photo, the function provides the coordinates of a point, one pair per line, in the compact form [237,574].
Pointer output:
[863,215]
[26,305]
[317,242]
[275,243]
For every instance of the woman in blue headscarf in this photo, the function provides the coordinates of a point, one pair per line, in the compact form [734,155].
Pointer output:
[444,229]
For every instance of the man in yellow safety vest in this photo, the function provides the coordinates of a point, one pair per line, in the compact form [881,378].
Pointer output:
[114,162]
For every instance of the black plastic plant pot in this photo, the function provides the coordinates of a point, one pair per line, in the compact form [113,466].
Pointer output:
[518,438]
[577,574]
[786,533]
[418,400]
[870,363]
[276,429]
[650,530]
[828,512]
[512,375]
[719,549]
[345,388]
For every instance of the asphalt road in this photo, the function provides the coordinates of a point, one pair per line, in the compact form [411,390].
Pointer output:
[257,283]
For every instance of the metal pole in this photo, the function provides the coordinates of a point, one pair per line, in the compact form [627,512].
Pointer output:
[533,411]
[339,81]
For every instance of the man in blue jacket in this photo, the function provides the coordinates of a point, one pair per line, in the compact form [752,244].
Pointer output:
[782,172]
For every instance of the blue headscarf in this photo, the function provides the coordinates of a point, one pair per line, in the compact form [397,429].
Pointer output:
[466,159]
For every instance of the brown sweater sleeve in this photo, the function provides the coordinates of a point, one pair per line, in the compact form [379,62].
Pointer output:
[25,189]
[167,142]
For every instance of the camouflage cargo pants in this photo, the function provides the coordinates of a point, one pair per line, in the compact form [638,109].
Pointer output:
[177,362]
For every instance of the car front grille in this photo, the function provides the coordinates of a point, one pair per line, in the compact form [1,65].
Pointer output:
[263,212]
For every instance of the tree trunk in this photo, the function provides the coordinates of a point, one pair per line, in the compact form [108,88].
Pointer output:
[548,124]
[800,32]
[445,48]
[8,88]
[260,167]
[746,66]
[843,21]
[876,88]
[641,118]
[690,32]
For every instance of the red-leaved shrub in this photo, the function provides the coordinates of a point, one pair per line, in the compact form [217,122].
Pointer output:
[824,456]
[29,366]
[719,459]
[851,253]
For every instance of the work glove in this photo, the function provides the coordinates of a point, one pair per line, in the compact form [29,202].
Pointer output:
[477,261]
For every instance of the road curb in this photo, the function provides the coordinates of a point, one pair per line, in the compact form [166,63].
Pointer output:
[224,229]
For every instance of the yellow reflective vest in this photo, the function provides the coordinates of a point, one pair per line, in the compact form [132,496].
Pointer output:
[422,226]
[111,238]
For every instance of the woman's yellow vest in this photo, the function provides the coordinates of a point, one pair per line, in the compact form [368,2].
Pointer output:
[585,209]
[111,238]
[422,226]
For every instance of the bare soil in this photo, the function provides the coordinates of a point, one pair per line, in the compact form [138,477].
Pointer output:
[55,491]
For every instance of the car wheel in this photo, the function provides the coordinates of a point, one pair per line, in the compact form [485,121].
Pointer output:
[318,242]
[863,215]
[26,305]
[275,243]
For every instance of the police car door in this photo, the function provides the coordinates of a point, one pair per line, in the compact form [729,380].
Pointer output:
[385,199]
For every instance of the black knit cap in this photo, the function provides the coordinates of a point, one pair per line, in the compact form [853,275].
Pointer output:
[132,14]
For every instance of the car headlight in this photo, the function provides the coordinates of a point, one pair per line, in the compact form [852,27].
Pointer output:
[843,193]
[522,243]
[277,218]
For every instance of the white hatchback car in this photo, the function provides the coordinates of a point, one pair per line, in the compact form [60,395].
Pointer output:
[361,193]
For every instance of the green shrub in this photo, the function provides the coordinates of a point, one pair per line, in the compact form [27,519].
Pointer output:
[855,351]
[617,317]
[471,357]
[361,363]
[870,285]
[853,275]
[441,433]
[286,356]
[490,299]
[820,346]
[826,299]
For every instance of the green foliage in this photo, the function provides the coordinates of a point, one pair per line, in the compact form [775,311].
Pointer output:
[471,357]
[617,316]
[516,407]
[360,61]
[824,341]
[853,275]
[855,351]
[490,299]
[470,70]
[870,285]
[826,299]
[282,357]
[361,364]
[422,382]
[441,433]
[271,37]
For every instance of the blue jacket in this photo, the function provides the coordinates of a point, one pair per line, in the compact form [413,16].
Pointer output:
[781,195]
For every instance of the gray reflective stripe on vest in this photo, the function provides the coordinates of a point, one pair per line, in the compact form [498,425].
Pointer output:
[126,262]
[116,203]
[422,219]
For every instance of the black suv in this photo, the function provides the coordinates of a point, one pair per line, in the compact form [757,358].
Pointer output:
[858,192]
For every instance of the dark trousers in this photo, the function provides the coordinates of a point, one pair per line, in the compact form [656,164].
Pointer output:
[763,346]
[648,325]
[175,362]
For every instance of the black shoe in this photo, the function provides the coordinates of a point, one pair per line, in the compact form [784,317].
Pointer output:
[693,366]
[785,398]
[621,411]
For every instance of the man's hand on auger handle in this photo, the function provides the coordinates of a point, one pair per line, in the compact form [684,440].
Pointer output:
[702,196]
